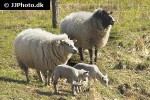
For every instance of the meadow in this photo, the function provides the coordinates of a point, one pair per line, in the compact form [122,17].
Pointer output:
[125,58]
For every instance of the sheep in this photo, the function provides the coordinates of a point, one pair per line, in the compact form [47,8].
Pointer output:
[94,72]
[73,76]
[90,29]
[43,51]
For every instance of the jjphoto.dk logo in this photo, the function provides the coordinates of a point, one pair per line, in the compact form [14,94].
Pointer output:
[25,5]
[14,5]
[6,5]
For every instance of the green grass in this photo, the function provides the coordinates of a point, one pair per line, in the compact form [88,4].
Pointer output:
[129,43]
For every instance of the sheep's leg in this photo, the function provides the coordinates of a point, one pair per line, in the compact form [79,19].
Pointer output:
[91,55]
[24,68]
[45,76]
[81,54]
[26,73]
[40,76]
[46,79]
[96,51]
[49,75]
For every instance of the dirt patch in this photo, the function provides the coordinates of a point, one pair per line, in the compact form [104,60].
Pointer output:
[124,89]
[142,66]
[121,65]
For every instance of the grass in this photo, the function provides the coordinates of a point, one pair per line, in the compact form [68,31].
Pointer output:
[129,43]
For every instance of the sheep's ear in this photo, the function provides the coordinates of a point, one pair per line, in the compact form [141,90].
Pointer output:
[57,42]
[106,75]
[62,41]
[110,12]
[74,40]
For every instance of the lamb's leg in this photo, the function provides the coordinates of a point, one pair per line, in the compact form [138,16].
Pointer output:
[40,76]
[55,86]
[91,54]
[74,88]
[77,89]
[81,54]
[55,83]
[96,51]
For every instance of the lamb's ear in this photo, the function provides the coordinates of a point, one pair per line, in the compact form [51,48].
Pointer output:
[102,77]
[86,72]
[106,75]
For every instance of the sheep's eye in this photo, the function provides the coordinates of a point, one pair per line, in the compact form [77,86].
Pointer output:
[67,44]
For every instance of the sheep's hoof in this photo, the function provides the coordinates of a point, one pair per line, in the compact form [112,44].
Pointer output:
[28,81]
[56,92]
[74,94]
[47,85]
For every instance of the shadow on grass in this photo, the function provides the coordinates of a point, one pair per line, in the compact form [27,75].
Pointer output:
[61,93]
[12,80]
[44,93]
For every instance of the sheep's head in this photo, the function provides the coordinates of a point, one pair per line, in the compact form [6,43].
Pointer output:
[105,17]
[68,46]
[104,80]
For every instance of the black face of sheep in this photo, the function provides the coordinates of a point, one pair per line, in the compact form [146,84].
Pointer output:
[105,17]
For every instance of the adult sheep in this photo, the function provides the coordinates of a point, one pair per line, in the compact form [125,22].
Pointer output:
[90,29]
[43,51]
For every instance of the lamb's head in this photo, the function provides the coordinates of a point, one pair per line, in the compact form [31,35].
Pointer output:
[104,80]
[104,17]
[68,46]
[83,75]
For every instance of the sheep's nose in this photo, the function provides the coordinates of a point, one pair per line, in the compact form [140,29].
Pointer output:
[112,22]
[74,51]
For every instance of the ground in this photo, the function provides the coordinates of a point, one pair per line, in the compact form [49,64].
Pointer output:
[125,58]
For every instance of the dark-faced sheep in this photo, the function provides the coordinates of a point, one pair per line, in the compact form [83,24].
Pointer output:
[90,29]
[43,51]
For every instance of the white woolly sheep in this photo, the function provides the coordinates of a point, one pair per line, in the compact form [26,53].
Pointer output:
[90,29]
[43,51]
[94,72]
[73,76]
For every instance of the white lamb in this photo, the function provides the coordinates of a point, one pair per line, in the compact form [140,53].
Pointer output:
[73,76]
[43,51]
[94,72]
[90,29]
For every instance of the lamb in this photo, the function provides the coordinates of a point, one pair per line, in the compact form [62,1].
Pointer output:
[73,76]
[94,72]
[90,29]
[43,51]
